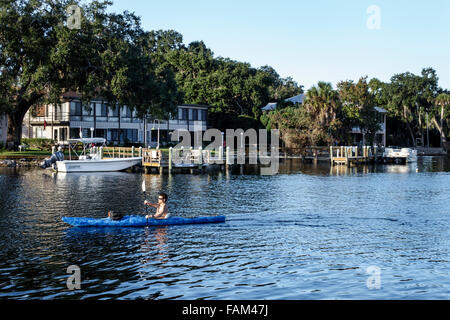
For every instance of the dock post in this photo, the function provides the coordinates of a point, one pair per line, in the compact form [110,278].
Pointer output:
[101,152]
[220,153]
[331,155]
[140,152]
[132,151]
[346,156]
[227,157]
[200,158]
[170,159]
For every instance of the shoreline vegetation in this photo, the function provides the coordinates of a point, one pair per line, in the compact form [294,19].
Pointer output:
[110,55]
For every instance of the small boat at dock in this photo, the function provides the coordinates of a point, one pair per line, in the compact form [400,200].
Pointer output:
[400,155]
[90,159]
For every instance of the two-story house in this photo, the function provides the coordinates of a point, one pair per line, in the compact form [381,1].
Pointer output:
[117,124]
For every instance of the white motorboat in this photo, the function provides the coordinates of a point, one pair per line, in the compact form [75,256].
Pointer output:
[397,155]
[91,159]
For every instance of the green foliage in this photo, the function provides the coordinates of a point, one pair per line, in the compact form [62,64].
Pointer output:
[38,143]
[41,58]
[410,97]
[223,120]
[231,87]
[327,115]
[112,57]
[358,104]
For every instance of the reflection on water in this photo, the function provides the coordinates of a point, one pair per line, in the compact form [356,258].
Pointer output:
[309,232]
[156,243]
[293,166]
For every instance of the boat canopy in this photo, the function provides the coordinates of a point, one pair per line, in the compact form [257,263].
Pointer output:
[88,140]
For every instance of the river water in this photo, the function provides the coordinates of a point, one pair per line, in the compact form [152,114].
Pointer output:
[310,232]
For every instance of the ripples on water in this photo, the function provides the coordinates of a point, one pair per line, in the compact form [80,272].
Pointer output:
[308,233]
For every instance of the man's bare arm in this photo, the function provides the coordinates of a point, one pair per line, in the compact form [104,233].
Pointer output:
[154,205]
[160,212]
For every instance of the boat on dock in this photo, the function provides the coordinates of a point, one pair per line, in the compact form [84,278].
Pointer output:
[90,160]
[400,155]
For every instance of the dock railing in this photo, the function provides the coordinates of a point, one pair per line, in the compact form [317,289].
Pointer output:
[152,158]
[352,154]
[121,152]
[316,153]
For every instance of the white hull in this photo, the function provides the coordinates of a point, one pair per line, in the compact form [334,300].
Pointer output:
[407,154]
[95,165]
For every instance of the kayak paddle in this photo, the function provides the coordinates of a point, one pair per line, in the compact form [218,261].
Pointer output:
[146,207]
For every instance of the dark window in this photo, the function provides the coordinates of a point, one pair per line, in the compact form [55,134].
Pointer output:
[185,114]
[89,111]
[63,134]
[74,133]
[130,135]
[195,115]
[75,109]
[102,110]
[114,135]
[113,111]
[100,133]
[126,112]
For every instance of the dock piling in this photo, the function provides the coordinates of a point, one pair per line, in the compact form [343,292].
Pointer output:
[170,159]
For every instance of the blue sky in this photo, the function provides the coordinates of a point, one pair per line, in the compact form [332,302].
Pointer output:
[310,41]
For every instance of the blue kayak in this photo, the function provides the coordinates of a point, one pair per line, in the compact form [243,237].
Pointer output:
[138,221]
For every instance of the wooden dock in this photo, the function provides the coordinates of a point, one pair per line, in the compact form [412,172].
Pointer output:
[349,156]
[179,160]
[315,154]
[197,160]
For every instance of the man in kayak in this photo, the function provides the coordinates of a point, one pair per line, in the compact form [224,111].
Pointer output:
[162,211]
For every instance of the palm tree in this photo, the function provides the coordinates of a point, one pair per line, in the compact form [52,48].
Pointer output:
[442,100]
[322,103]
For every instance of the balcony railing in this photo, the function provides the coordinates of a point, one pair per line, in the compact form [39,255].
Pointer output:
[57,117]
[66,117]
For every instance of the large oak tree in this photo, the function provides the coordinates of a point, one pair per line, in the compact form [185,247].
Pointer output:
[42,57]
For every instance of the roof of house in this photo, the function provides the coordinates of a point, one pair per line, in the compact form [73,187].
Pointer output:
[380,110]
[196,105]
[273,105]
[269,106]
[71,95]
[296,99]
